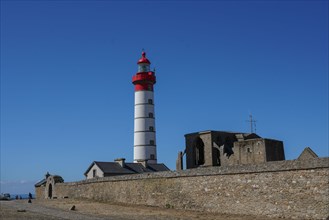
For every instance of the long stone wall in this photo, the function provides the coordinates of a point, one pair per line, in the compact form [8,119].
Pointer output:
[286,189]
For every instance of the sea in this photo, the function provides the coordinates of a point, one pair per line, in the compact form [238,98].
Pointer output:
[21,196]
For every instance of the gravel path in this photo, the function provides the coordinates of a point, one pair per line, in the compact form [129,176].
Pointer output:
[23,210]
[59,209]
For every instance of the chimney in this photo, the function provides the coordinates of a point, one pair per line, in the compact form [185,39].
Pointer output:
[120,161]
[143,162]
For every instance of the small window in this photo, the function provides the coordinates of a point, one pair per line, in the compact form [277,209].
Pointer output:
[150,101]
[248,150]
[151,115]
[151,128]
[151,142]
[94,173]
[152,156]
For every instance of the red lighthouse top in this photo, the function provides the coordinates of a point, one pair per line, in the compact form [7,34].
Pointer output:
[143,59]
[144,78]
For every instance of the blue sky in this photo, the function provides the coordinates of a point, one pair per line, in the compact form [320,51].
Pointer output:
[66,68]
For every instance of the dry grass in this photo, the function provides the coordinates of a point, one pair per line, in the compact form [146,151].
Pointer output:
[101,210]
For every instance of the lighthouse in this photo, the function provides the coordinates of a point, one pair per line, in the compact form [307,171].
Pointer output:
[144,118]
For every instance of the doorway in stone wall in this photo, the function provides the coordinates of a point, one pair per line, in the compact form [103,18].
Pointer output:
[50,191]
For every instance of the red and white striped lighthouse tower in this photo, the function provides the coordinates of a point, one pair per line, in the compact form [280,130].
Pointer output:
[144,129]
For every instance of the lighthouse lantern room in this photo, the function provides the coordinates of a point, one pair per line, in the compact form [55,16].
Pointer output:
[144,118]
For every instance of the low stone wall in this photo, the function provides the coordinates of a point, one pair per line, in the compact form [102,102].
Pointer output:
[285,189]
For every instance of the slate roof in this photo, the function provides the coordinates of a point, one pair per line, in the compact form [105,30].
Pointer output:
[109,167]
[158,167]
[129,168]
[40,183]
[137,168]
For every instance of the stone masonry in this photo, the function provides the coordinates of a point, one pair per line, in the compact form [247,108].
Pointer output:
[221,148]
[287,189]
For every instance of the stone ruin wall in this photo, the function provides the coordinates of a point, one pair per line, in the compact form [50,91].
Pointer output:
[40,192]
[285,189]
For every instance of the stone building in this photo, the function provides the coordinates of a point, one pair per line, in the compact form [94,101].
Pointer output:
[48,185]
[221,148]
[307,154]
[120,167]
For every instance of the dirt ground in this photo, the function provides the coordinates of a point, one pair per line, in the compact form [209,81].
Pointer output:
[84,210]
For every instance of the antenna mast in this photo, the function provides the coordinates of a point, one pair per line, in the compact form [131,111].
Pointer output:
[252,124]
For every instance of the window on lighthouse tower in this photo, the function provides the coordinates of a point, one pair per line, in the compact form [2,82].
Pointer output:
[143,67]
